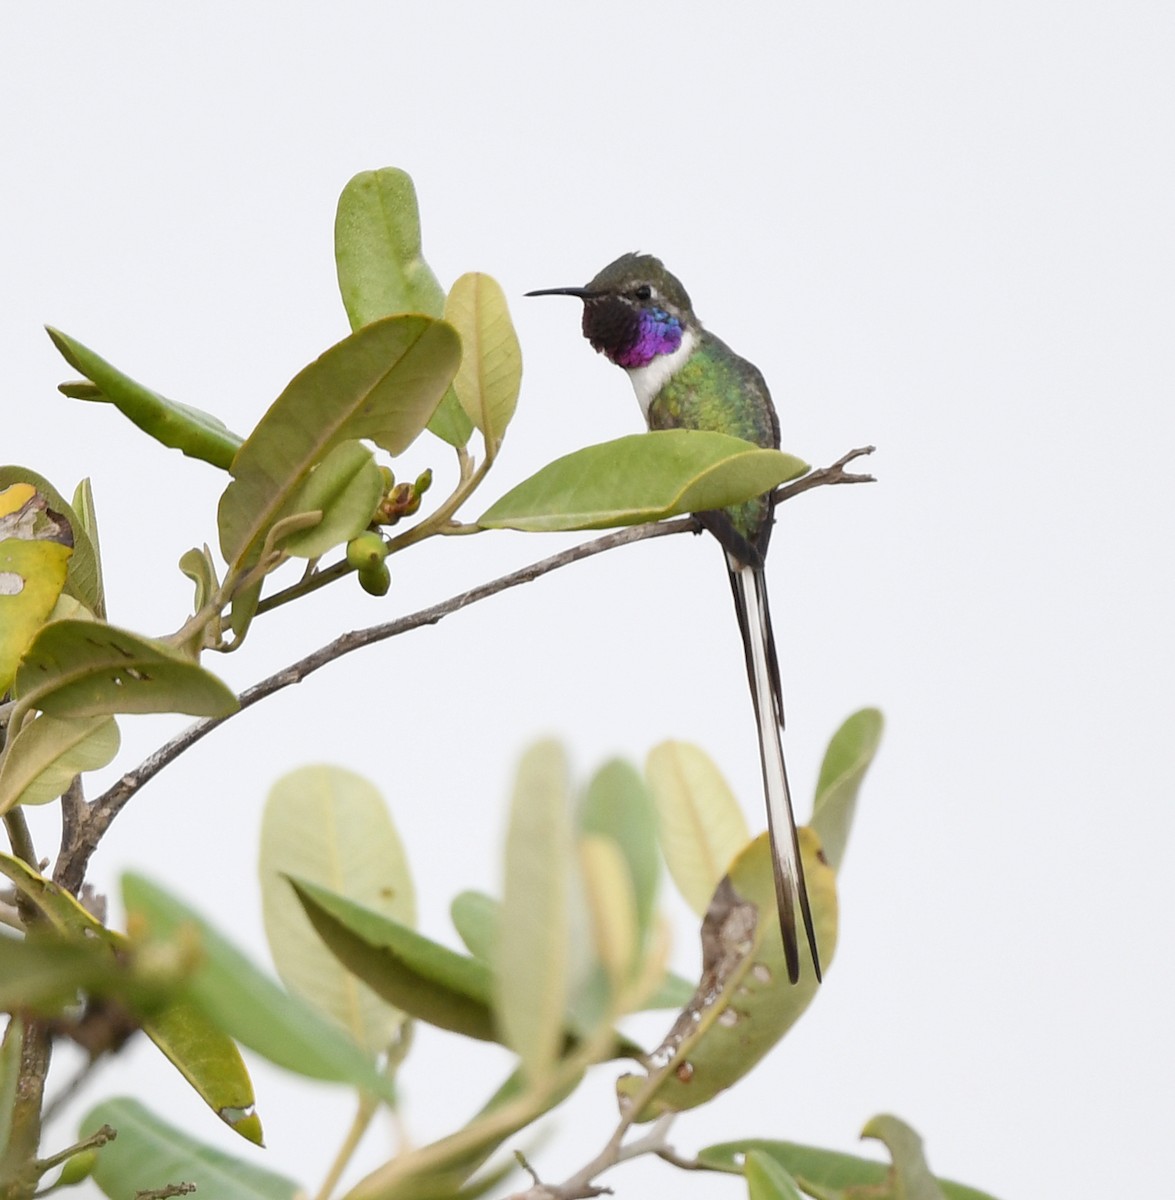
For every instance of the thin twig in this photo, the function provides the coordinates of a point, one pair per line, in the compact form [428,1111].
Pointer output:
[366,1110]
[581,1185]
[827,476]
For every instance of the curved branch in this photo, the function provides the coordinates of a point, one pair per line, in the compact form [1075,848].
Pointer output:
[71,864]
[88,829]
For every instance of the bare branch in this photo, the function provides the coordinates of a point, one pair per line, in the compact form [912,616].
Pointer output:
[827,476]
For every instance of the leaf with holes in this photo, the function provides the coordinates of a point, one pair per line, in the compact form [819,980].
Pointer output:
[36,544]
[83,578]
[89,669]
[744,1003]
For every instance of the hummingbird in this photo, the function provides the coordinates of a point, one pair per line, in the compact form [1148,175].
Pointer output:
[639,317]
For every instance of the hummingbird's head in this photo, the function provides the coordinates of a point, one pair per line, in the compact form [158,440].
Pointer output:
[633,310]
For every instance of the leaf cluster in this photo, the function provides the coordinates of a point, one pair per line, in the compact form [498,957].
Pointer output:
[553,966]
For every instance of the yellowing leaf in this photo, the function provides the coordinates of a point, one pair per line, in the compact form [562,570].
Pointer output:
[83,580]
[331,827]
[531,960]
[700,822]
[612,905]
[490,376]
[35,548]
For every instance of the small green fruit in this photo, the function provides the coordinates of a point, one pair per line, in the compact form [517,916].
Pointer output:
[77,1168]
[366,550]
[375,579]
[423,481]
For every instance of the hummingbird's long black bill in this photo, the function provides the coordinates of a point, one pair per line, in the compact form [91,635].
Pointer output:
[579,292]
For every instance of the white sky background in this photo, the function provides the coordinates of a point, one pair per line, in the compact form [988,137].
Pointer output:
[946,230]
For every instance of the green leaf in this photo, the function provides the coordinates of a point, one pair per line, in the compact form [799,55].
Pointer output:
[382,272]
[198,566]
[44,973]
[331,827]
[767,1179]
[618,805]
[846,760]
[612,905]
[423,978]
[381,383]
[674,992]
[826,1169]
[209,1060]
[418,976]
[639,478]
[490,376]
[87,520]
[83,579]
[88,669]
[700,822]
[378,250]
[207,1057]
[149,1153]
[912,1179]
[345,487]
[9,1076]
[248,1005]
[475,916]
[198,434]
[531,959]
[744,1003]
[47,752]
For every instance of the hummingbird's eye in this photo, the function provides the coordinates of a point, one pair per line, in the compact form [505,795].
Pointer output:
[644,292]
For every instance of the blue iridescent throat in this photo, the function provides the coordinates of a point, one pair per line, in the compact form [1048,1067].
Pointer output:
[659,333]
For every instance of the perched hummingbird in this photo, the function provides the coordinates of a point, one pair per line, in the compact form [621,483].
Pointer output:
[640,317]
